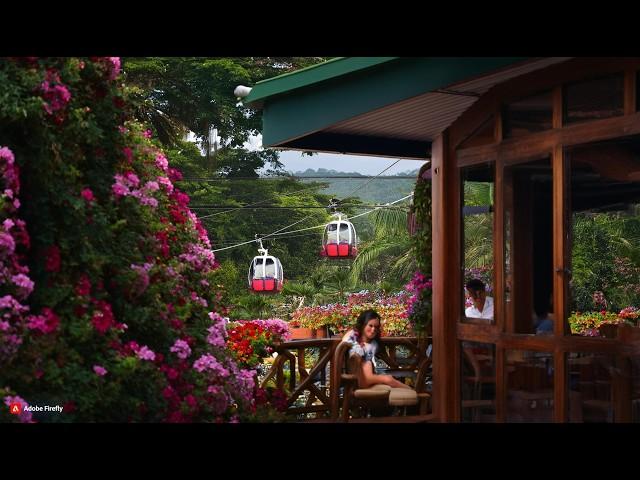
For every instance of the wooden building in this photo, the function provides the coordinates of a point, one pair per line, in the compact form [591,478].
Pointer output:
[554,140]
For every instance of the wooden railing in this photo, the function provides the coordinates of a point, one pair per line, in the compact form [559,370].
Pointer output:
[318,382]
[302,378]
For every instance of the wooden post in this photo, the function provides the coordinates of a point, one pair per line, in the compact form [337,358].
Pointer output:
[446,281]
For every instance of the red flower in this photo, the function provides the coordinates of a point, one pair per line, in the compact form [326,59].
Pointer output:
[51,320]
[83,288]
[102,318]
[87,194]
[53,259]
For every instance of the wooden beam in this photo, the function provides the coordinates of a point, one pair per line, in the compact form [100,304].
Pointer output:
[523,149]
[547,78]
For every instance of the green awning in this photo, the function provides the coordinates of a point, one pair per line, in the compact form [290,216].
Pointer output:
[357,104]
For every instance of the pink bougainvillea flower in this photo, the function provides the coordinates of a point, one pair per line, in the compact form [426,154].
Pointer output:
[83,287]
[87,194]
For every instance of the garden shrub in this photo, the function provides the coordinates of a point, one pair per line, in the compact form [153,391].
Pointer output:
[108,296]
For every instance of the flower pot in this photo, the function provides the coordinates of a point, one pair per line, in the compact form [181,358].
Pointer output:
[320,332]
[299,333]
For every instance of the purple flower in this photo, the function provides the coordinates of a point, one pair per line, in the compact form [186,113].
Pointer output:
[7,154]
[145,354]
[100,370]
[181,349]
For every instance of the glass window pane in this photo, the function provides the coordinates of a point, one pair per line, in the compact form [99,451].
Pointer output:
[478,382]
[529,386]
[594,99]
[590,382]
[605,247]
[528,237]
[528,115]
[477,262]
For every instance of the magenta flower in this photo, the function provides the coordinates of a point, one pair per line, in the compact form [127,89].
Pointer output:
[100,370]
[53,259]
[87,194]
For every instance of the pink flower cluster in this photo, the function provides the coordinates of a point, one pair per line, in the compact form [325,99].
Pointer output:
[279,328]
[199,258]
[145,353]
[11,177]
[181,349]
[142,281]
[217,331]
[46,322]
[127,185]
[111,66]
[418,283]
[55,94]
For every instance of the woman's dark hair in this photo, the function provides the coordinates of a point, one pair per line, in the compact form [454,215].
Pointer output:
[363,319]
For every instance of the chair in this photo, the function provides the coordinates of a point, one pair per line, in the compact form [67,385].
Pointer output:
[377,399]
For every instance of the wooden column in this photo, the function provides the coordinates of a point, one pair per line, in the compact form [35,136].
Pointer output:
[446,282]
[561,276]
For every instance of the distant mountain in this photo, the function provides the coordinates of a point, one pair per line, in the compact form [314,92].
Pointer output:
[381,190]
[321,172]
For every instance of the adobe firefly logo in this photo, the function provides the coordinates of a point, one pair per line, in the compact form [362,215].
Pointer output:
[15,408]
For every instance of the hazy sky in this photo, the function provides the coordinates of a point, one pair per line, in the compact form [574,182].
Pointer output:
[294,161]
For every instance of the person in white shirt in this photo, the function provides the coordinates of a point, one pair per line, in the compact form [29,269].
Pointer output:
[482,304]
[482,307]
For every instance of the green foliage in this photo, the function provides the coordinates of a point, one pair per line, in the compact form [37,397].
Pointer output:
[180,94]
[478,228]
[422,239]
[606,258]
[420,304]
[386,255]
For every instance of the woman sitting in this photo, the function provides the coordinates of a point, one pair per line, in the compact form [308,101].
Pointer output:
[364,337]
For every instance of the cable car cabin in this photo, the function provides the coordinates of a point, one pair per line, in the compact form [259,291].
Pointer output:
[339,240]
[265,274]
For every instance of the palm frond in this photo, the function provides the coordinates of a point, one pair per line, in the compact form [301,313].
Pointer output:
[389,222]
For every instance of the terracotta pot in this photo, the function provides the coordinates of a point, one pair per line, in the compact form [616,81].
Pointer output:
[320,332]
[299,333]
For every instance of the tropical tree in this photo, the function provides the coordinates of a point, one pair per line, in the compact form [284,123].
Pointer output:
[387,255]
[300,293]
[478,227]
[177,95]
[251,306]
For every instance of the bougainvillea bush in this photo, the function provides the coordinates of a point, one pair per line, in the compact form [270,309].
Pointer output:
[107,301]
[419,311]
